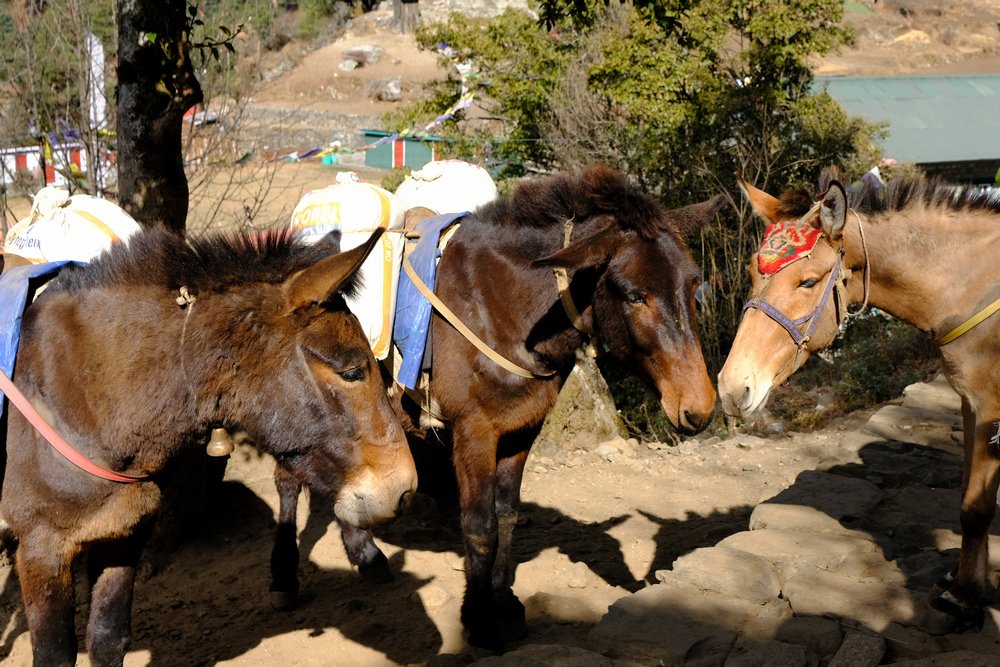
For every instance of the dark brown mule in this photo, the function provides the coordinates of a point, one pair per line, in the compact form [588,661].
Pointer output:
[931,256]
[633,281]
[133,358]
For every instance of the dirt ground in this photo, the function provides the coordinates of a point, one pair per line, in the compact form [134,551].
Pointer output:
[596,527]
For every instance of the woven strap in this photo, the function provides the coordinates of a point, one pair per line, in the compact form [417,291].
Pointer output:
[76,458]
[968,324]
[453,320]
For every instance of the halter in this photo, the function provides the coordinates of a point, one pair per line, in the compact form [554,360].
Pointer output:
[792,326]
[569,307]
[832,287]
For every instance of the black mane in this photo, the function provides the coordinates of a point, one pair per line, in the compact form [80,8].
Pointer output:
[897,195]
[161,258]
[599,190]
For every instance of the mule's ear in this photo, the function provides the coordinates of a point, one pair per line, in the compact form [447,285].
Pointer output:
[762,203]
[594,250]
[832,214]
[319,282]
[690,219]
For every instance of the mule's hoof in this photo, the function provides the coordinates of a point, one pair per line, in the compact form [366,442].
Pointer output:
[946,615]
[487,637]
[284,600]
[510,618]
[376,573]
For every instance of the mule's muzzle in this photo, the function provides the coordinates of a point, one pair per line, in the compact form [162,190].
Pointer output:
[692,423]
[371,498]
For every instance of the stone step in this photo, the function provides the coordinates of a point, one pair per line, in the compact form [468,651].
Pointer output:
[936,395]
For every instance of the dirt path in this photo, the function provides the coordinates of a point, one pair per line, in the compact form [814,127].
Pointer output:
[600,522]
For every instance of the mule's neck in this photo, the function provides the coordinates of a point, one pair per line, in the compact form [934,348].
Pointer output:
[930,267]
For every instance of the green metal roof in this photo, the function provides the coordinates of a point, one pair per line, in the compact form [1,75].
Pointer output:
[931,118]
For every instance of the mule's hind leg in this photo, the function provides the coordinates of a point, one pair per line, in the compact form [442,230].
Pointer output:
[361,551]
[111,567]
[510,471]
[44,567]
[963,601]
[285,554]
[475,468]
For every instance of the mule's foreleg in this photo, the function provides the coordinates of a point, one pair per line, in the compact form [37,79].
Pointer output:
[111,568]
[361,551]
[964,599]
[285,554]
[44,568]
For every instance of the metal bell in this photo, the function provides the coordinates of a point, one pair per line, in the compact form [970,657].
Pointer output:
[220,444]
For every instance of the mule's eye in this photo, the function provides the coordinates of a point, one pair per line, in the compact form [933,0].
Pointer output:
[808,282]
[353,374]
[635,297]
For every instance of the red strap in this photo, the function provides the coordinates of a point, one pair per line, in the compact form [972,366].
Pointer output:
[49,433]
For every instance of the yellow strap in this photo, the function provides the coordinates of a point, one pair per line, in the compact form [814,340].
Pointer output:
[562,284]
[464,330]
[965,326]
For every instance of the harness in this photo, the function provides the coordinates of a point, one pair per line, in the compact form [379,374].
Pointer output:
[562,284]
[15,285]
[967,325]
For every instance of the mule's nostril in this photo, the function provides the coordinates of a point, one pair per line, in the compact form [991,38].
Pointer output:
[406,500]
[695,421]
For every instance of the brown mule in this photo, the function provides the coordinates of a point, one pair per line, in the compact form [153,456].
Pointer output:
[632,279]
[133,358]
[924,253]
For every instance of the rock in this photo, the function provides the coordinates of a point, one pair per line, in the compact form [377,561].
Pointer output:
[860,649]
[583,415]
[935,395]
[897,422]
[798,517]
[610,450]
[822,635]
[814,591]
[963,658]
[658,625]
[390,90]
[793,548]
[446,660]
[547,655]
[753,653]
[364,54]
[727,572]
[746,441]
[906,643]
[835,496]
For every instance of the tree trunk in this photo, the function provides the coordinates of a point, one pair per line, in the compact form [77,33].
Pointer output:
[406,14]
[156,85]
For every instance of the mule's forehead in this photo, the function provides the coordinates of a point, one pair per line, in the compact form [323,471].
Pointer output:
[784,242]
[660,263]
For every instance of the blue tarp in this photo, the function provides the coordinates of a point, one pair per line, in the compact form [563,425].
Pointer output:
[14,288]
[413,311]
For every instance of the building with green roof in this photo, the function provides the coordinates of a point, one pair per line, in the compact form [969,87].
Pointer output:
[948,125]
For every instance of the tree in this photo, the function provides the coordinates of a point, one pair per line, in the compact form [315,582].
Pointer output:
[677,93]
[156,86]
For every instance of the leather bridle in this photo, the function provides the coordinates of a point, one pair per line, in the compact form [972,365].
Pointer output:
[793,327]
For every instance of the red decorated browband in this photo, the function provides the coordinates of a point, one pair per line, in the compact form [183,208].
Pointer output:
[785,242]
